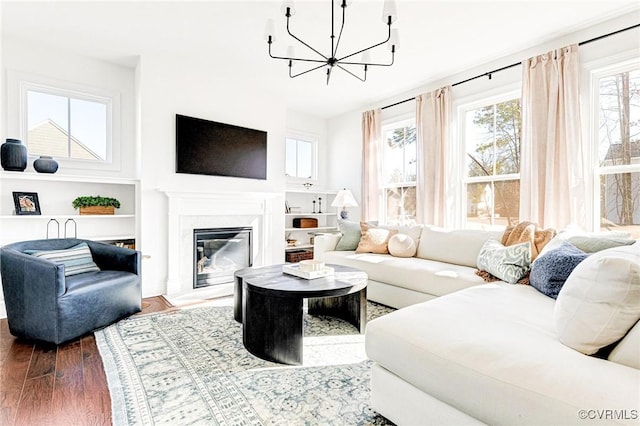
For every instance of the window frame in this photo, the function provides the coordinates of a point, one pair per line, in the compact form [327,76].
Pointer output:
[597,71]
[506,93]
[18,85]
[304,137]
[394,123]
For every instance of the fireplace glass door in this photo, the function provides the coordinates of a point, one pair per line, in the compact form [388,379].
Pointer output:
[218,253]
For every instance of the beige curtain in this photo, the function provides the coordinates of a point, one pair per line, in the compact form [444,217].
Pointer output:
[432,124]
[371,166]
[551,180]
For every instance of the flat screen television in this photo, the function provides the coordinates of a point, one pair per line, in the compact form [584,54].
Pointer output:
[206,147]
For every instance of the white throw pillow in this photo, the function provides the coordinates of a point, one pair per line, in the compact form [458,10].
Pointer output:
[600,301]
[402,245]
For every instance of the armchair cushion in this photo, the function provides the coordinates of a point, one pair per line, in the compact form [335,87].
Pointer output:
[76,259]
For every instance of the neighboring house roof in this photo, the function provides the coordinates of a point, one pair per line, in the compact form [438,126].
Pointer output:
[48,138]
[615,151]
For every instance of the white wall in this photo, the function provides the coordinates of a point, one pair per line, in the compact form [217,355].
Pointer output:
[195,87]
[344,131]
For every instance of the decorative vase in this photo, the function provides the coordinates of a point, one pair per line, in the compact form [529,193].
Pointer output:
[13,155]
[45,164]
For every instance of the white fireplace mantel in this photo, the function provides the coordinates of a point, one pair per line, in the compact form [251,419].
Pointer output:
[195,210]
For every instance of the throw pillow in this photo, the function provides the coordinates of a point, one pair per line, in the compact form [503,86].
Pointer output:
[350,235]
[593,244]
[600,301]
[76,259]
[374,240]
[509,263]
[550,271]
[402,245]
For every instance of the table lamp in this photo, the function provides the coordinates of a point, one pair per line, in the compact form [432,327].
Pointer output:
[344,199]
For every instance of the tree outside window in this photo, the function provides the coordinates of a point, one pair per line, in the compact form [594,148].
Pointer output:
[492,139]
[619,151]
[399,173]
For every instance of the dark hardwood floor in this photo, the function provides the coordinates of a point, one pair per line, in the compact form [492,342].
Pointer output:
[56,385]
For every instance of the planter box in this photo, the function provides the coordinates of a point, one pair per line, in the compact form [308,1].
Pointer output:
[97,210]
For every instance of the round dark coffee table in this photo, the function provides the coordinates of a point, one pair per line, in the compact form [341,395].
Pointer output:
[269,305]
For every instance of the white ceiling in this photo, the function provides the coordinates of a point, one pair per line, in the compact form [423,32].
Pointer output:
[438,38]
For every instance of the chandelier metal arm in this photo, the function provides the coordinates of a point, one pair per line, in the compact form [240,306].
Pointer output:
[368,48]
[295,59]
[304,72]
[344,9]
[374,65]
[355,75]
[291,34]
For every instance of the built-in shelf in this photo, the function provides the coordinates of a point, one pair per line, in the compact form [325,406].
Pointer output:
[318,228]
[68,216]
[300,247]
[310,214]
[51,177]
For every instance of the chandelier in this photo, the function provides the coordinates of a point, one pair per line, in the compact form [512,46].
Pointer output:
[333,60]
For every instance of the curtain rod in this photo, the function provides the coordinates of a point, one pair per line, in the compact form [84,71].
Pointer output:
[489,73]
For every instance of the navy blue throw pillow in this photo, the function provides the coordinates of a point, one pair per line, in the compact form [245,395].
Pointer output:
[551,270]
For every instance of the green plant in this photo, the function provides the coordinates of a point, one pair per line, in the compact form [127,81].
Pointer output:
[88,201]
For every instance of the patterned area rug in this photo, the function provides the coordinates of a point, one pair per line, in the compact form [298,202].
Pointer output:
[189,367]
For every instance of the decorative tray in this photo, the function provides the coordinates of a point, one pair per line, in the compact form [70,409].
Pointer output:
[294,269]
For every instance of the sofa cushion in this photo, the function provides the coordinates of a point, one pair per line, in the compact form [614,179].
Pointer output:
[594,243]
[600,301]
[421,275]
[478,348]
[509,263]
[627,352]
[459,246]
[350,235]
[374,239]
[402,245]
[76,259]
[550,271]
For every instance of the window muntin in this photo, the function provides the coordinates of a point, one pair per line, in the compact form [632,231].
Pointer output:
[67,125]
[299,158]
[617,101]
[399,170]
[492,134]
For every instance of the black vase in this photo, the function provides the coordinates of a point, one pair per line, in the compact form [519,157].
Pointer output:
[13,155]
[45,164]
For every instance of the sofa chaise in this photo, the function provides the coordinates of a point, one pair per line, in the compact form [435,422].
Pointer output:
[461,351]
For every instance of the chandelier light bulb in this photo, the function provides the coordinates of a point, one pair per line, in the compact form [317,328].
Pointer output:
[270,30]
[394,40]
[389,9]
[291,4]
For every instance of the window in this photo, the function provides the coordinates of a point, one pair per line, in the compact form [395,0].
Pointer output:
[492,145]
[66,124]
[399,168]
[300,158]
[617,100]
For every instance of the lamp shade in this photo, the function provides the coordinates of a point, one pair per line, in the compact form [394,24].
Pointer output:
[344,198]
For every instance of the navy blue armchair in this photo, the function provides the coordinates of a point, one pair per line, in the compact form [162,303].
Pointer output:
[44,304]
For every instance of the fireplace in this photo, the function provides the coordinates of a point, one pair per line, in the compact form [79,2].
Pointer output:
[218,253]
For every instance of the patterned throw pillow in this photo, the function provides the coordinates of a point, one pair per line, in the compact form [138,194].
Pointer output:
[550,271]
[350,235]
[76,259]
[509,263]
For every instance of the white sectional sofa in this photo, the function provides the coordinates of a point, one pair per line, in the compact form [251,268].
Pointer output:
[493,353]
[445,262]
